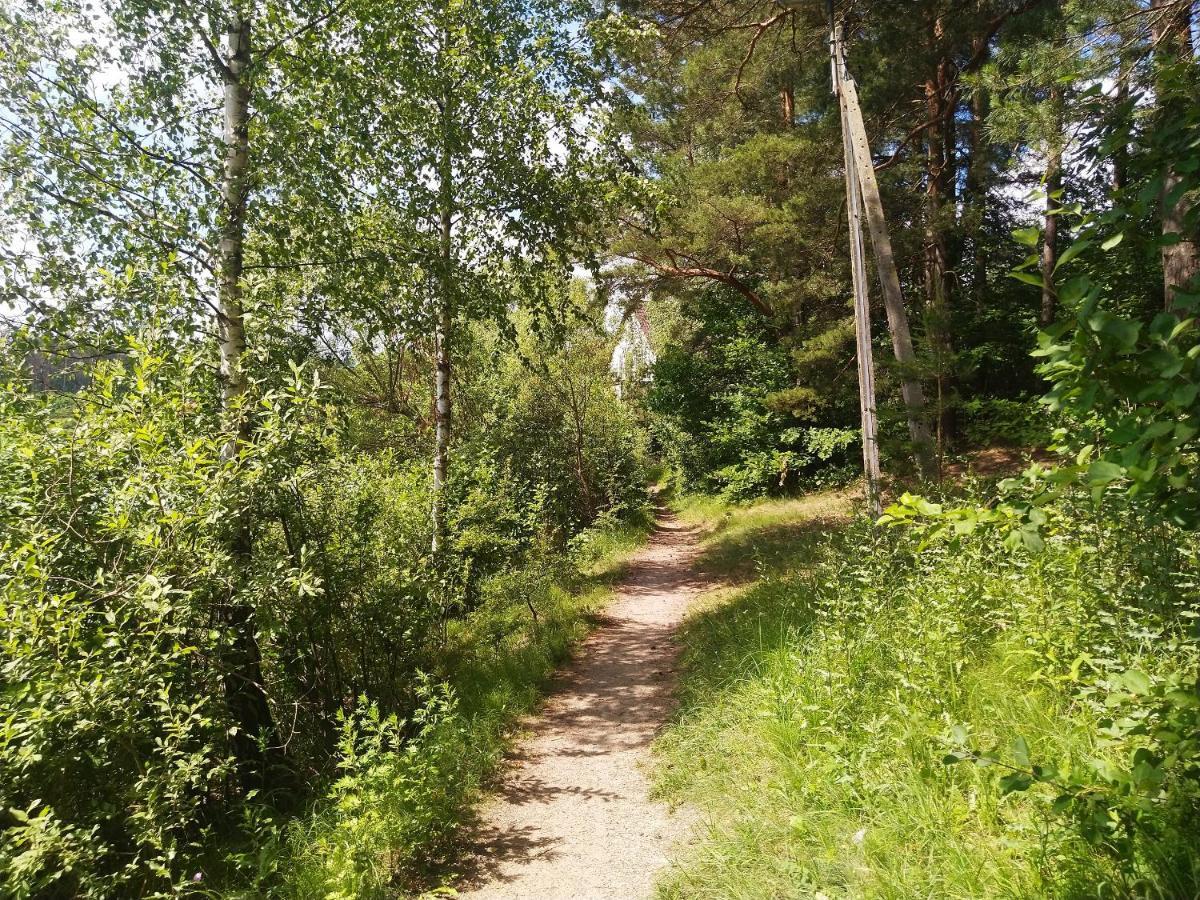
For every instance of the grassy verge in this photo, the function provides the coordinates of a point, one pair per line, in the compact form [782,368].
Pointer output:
[407,786]
[823,692]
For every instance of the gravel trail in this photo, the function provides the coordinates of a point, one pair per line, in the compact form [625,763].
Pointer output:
[573,817]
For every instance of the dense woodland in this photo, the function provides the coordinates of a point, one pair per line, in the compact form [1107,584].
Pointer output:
[313,458]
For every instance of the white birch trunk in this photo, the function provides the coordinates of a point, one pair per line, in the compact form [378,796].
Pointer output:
[255,741]
[444,318]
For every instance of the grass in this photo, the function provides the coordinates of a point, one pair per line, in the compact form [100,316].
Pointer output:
[388,827]
[822,691]
[761,539]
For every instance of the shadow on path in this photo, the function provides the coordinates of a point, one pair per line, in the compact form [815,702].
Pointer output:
[572,816]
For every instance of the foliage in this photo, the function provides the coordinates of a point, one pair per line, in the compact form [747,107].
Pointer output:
[224,246]
[116,743]
[716,415]
[1123,370]
[405,787]
[1003,422]
[241,239]
[399,786]
[820,703]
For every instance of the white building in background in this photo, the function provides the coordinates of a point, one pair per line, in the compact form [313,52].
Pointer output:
[633,356]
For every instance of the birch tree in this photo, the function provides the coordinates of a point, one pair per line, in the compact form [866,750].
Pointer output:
[496,157]
[133,137]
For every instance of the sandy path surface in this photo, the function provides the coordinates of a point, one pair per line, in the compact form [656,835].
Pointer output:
[573,818]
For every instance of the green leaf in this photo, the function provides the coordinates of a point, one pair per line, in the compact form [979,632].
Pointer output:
[1015,782]
[1028,237]
[1125,331]
[1103,472]
[1032,540]
[1071,252]
[1185,394]
[1111,242]
[1137,681]
[1021,752]
[1027,277]
[1184,699]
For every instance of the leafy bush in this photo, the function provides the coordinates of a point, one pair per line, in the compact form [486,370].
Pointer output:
[716,413]
[117,770]
[357,526]
[114,505]
[398,790]
[404,786]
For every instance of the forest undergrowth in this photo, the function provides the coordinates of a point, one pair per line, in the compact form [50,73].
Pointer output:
[407,787]
[866,717]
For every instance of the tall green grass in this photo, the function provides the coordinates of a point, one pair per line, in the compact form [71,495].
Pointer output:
[820,700]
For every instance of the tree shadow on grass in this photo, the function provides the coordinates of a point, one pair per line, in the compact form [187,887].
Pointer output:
[769,606]
[739,555]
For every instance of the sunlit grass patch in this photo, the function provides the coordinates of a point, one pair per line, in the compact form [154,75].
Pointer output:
[820,700]
[754,539]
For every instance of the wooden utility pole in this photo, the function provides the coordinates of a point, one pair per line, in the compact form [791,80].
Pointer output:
[862,307]
[862,200]
[859,158]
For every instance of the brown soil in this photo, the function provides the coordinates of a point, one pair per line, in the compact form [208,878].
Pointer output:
[993,461]
[573,818]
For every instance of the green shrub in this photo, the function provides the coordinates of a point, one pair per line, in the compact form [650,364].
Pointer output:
[398,790]
[114,509]
[119,503]
[404,786]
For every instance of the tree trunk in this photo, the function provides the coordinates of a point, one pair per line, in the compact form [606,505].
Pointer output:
[578,423]
[889,279]
[1121,154]
[442,327]
[1172,23]
[787,97]
[1049,220]
[975,194]
[441,440]
[255,742]
[937,271]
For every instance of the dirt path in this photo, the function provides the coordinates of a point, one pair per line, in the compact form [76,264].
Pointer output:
[574,818]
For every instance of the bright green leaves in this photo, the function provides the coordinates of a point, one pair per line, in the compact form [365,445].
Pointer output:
[1071,252]
[1027,277]
[110,598]
[1027,237]
[1142,381]
[1135,681]
[1019,526]
[1148,729]
[1102,473]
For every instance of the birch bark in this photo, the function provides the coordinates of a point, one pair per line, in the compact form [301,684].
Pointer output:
[255,740]
[444,320]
